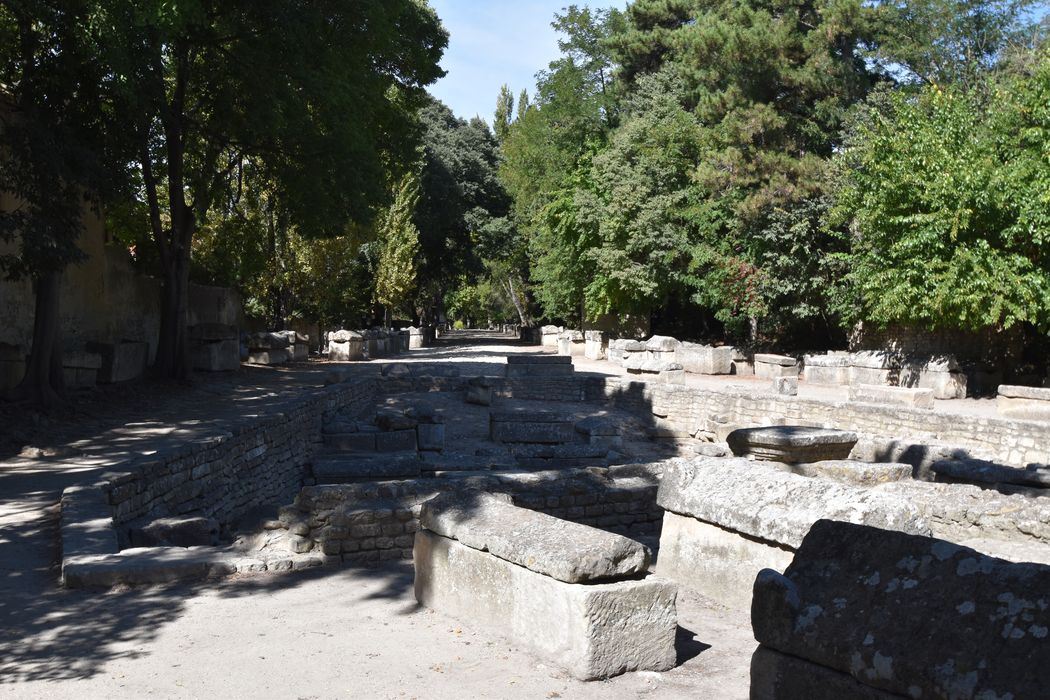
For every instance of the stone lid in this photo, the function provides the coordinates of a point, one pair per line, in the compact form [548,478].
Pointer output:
[563,550]
[574,336]
[344,336]
[875,359]
[791,436]
[768,359]
[1034,393]
[550,330]
[268,341]
[826,360]
[662,343]
[642,364]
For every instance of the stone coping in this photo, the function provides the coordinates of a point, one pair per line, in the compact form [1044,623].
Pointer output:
[563,550]
[762,502]
[794,436]
[1032,393]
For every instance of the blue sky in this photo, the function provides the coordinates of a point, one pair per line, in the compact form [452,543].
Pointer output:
[492,42]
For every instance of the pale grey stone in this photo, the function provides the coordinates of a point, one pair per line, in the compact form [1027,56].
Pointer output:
[915,616]
[558,548]
[850,471]
[791,443]
[593,631]
[662,343]
[704,359]
[894,395]
[785,386]
[760,501]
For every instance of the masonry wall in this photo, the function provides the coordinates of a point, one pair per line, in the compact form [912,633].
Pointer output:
[259,460]
[373,522]
[104,298]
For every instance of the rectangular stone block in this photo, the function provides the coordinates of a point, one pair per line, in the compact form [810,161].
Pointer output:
[592,631]
[915,616]
[1026,402]
[268,357]
[703,359]
[770,366]
[218,356]
[872,376]
[121,362]
[776,676]
[830,369]
[396,441]
[532,431]
[431,437]
[354,442]
[541,370]
[893,395]
[720,563]
[348,351]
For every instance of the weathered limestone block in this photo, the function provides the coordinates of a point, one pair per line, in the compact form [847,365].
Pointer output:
[541,427]
[540,365]
[849,471]
[760,501]
[549,336]
[770,366]
[941,374]
[12,366]
[557,548]
[832,369]
[186,531]
[594,345]
[479,391]
[87,522]
[146,565]
[704,359]
[791,443]
[715,560]
[664,371]
[895,395]
[268,357]
[416,338]
[662,343]
[121,362]
[352,468]
[80,368]
[571,343]
[785,386]
[874,367]
[985,472]
[593,631]
[1028,402]
[431,437]
[268,341]
[910,615]
[214,347]
[776,676]
[346,346]
[396,440]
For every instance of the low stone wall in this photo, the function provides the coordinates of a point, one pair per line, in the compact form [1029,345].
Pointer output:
[371,522]
[256,461]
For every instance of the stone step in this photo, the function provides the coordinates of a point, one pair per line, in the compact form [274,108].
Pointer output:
[349,467]
[539,360]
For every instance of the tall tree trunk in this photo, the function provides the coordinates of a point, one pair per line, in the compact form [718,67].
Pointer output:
[42,383]
[516,300]
[173,354]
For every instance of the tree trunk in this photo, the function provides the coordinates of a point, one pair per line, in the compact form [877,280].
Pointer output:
[42,384]
[173,352]
[516,300]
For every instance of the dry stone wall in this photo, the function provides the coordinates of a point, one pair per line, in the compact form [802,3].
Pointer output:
[257,460]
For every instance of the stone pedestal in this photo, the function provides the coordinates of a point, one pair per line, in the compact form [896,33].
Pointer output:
[549,336]
[791,443]
[594,345]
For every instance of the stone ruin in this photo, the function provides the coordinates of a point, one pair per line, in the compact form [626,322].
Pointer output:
[534,492]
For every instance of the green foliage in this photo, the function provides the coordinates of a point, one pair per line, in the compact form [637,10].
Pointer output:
[396,273]
[504,114]
[947,198]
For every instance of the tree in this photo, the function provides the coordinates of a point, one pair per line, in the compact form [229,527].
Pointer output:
[320,94]
[504,113]
[51,140]
[945,194]
[396,272]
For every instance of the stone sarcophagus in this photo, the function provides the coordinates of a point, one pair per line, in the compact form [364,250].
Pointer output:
[577,596]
